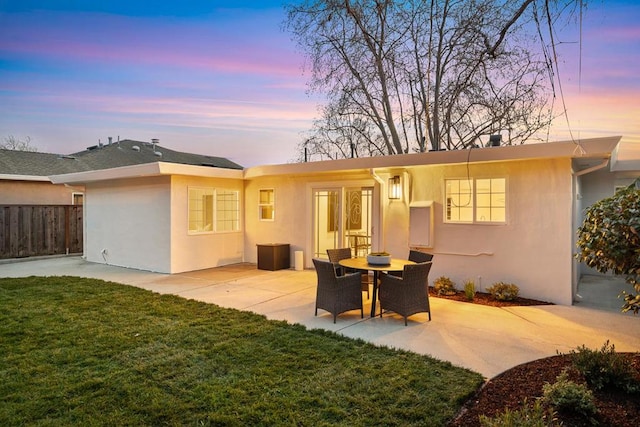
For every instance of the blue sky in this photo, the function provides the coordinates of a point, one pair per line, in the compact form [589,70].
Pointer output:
[222,78]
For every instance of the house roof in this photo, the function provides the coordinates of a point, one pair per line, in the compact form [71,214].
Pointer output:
[34,166]
[585,153]
[128,152]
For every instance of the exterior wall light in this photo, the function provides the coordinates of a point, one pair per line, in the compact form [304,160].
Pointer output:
[395,189]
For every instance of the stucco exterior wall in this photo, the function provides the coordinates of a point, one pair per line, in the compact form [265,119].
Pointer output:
[293,221]
[130,220]
[533,249]
[36,193]
[593,187]
[199,251]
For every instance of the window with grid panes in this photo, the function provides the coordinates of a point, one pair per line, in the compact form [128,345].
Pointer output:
[470,200]
[227,210]
[266,205]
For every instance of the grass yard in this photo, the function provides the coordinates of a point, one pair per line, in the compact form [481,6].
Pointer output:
[77,351]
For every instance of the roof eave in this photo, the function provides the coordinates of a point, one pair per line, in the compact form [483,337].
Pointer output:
[586,148]
[145,170]
[11,177]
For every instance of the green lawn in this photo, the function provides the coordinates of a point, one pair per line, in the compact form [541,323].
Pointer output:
[77,351]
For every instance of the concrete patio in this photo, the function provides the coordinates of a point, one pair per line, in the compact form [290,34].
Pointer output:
[485,339]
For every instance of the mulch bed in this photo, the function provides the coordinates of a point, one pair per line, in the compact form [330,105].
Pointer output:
[487,299]
[524,383]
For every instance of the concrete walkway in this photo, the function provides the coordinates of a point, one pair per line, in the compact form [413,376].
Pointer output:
[485,339]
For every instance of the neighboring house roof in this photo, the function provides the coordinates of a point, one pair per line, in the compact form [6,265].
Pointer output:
[128,152]
[34,166]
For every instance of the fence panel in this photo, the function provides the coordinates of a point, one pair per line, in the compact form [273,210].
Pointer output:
[32,230]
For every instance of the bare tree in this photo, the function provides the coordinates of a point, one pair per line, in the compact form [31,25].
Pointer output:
[412,75]
[13,143]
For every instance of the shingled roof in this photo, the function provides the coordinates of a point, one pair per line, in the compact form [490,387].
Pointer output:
[37,164]
[128,152]
[122,153]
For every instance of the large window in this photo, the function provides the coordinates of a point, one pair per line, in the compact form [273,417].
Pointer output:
[209,207]
[266,205]
[200,210]
[227,211]
[470,200]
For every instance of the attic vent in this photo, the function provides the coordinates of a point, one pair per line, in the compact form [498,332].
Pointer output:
[135,148]
[494,140]
[67,157]
[157,153]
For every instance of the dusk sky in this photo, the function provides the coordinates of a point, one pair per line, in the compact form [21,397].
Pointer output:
[222,78]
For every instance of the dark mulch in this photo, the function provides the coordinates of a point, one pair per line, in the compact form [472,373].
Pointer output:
[524,382]
[487,299]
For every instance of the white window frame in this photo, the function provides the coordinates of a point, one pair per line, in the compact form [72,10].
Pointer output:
[202,227]
[73,198]
[271,204]
[227,211]
[473,200]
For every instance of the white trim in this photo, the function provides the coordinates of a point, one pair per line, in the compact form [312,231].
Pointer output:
[144,170]
[10,177]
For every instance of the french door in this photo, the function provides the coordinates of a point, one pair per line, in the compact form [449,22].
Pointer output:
[342,218]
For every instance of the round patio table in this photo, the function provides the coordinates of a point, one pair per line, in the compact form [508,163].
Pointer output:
[361,264]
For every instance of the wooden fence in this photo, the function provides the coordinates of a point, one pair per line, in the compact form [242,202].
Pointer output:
[33,230]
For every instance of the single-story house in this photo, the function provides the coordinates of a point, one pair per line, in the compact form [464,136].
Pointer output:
[506,213]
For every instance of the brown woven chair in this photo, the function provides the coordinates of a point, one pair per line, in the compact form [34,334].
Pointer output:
[415,256]
[335,255]
[408,294]
[337,294]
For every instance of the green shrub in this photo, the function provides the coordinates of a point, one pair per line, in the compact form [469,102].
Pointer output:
[444,286]
[567,396]
[470,290]
[604,368]
[528,416]
[504,291]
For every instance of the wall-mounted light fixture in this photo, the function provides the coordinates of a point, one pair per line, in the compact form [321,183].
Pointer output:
[395,188]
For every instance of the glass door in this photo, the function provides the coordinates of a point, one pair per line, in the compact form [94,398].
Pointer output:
[342,218]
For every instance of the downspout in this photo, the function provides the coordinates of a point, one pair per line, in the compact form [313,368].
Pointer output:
[575,265]
[381,211]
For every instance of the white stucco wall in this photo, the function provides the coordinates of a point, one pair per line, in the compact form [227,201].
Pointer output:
[293,211]
[593,187]
[199,251]
[129,219]
[533,249]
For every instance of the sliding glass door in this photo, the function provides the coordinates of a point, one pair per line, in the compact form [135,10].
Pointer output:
[342,218]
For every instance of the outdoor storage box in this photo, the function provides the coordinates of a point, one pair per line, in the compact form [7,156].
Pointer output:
[273,256]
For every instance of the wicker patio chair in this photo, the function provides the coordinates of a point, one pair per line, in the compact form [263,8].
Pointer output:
[418,256]
[415,256]
[337,294]
[335,255]
[408,294]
